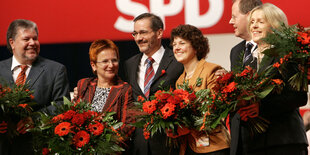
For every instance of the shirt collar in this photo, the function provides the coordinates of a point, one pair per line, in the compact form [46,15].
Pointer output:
[16,64]
[157,56]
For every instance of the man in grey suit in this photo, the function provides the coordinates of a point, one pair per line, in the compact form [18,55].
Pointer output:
[48,79]
[148,33]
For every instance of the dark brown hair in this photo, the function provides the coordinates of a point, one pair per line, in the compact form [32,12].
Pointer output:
[194,36]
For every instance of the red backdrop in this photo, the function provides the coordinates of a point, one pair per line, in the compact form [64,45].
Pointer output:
[64,21]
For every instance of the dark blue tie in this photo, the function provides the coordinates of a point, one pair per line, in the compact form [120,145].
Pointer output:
[248,53]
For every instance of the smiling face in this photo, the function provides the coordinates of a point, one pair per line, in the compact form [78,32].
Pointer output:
[259,26]
[148,41]
[106,65]
[183,50]
[25,46]
[239,21]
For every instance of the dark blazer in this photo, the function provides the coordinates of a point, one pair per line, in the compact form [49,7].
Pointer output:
[173,69]
[48,79]
[119,100]
[236,55]
[282,110]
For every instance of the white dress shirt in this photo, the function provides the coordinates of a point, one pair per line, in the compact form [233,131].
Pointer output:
[15,68]
[157,56]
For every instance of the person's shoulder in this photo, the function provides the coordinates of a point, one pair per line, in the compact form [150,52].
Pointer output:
[212,65]
[48,62]
[134,58]
[239,45]
[87,81]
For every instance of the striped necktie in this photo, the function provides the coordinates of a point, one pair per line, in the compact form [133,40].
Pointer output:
[149,75]
[21,78]
[247,52]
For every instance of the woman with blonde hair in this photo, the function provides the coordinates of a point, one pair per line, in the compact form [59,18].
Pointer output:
[285,133]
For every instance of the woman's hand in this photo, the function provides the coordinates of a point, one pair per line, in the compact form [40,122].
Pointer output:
[180,132]
[250,111]
[24,124]
[3,127]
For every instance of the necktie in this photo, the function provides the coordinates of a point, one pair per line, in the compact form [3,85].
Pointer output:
[21,78]
[247,53]
[149,75]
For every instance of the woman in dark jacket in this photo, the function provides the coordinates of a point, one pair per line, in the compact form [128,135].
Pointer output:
[106,91]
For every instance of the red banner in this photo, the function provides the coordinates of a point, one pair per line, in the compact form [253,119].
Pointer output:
[63,21]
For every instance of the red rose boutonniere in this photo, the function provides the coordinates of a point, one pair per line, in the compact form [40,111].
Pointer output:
[163,72]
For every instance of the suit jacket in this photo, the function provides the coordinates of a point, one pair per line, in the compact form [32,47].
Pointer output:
[157,144]
[220,139]
[236,56]
[282,110]
[48,79]
[119,100]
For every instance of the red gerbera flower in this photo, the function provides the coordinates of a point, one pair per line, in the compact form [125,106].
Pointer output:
[226,77]
[231,87]
[149,106]
[167,110]
[81,138]
[78,119]
[62,129]
[57,118]
[140,99]
[244,72]
[23,105]
[45,151]
[161,96]
[304,38]
[96,129]
[69,114]
[277,81]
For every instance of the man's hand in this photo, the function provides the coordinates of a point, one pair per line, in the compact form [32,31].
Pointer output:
[3,127]
[220,72]
[24,124]
[250,111]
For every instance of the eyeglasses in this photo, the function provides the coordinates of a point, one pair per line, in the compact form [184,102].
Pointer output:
[141,33]
[105,62]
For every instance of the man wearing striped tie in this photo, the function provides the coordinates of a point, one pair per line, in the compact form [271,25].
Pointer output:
[145,71]
[48,79]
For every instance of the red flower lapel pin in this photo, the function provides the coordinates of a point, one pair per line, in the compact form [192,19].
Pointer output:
[162,72]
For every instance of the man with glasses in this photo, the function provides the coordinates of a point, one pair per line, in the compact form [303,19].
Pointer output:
[145,71]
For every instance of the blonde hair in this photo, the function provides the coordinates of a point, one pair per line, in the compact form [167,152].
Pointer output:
[274,15]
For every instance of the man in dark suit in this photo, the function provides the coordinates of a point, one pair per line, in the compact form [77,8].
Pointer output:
[148,33]
[240,11]
[48,79]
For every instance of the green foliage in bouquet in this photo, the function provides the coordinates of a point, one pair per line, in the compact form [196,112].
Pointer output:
[232,91]
[15,104]
[292,45]
[77,130]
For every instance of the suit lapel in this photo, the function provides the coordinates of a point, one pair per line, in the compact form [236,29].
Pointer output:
[112,97]
[163,65]
[36,70]
[134,75]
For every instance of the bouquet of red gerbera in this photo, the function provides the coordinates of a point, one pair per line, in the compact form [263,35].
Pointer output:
[292,45]
[233,91]
[15,105]
[169,111]
[77,130]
